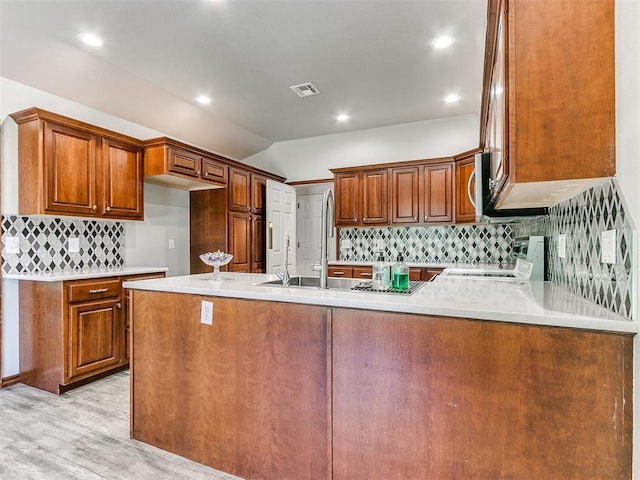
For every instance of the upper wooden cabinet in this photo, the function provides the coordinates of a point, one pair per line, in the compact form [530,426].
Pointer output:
[67,167]
[413,192]
[362,197]
[464,187]
[176,164]
[437,193]
[405,194]
[548,114]
[347,199]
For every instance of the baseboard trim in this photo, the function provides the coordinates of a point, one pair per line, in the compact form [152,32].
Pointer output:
[8,381]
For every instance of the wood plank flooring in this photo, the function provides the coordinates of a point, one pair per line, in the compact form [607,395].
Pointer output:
[83,434]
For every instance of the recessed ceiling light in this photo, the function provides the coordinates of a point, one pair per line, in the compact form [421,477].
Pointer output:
[442,42]
[91,39]
[453,98]
[343,117]
[203,99]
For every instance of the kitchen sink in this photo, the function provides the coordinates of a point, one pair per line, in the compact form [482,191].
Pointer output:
[314,282]
[352,284]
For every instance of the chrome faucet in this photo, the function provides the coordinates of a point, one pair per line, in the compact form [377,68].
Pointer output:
[327,232]
[283,275]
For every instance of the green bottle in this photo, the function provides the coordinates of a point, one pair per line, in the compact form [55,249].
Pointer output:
[400,275]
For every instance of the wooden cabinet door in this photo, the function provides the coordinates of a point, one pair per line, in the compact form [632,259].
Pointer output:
[375,197]
[258,193]
[347,199]
[96,337]
[70,170]
[258,249]
[121,181]
[437,193]
[240,241]
[184,162]
[239,190]
[213,171]
[405,198]
[465,211]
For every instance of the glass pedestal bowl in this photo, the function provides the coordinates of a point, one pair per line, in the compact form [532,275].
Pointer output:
[216,260]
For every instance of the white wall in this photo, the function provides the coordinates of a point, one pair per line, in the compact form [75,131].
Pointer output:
[166,217]
[311,158]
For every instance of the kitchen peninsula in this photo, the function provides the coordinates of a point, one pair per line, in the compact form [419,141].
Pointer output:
[459,380]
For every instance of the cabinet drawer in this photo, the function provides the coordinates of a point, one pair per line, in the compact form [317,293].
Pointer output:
[337,271]
[81,291]
[415,273]
[363,272]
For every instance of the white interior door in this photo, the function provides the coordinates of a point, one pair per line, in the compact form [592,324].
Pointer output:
[309,221]
[280,222]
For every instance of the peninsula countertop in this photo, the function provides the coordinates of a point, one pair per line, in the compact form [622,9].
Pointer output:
[536,303]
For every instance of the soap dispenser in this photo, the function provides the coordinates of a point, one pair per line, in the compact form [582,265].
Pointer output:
[400,275]
[381,278]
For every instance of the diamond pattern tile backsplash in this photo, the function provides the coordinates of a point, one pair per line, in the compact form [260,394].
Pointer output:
[582,219]
[445,244]
[43,244]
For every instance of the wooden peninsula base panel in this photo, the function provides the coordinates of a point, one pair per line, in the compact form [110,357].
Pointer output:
[288,391]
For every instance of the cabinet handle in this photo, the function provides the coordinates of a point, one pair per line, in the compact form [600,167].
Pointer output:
[366,274]
[270,235]
[98,290]
[337,274]
[108,209]
[95,207]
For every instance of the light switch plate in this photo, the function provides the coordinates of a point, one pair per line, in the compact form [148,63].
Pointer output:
[608,246]
[562,245]
[11,244]
[74,245]
[172,244]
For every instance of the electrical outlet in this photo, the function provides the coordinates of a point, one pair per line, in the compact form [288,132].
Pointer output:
[608,246]
[378,244]
[172,244]
[11,244]
[206,313]
[562,245]
[345,243]
[74,245]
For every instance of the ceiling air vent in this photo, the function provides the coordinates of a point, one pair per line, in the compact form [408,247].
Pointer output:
[305,90]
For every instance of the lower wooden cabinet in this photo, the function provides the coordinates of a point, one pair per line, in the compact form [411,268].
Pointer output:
[72,331]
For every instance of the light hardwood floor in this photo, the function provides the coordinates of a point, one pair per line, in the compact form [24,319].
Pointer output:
[83,434]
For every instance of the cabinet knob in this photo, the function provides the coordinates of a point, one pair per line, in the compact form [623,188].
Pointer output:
[355,220]
[95,208]
[119,305]
[206,174]
[198,172]
[108,209]
[415,219]
[364,219]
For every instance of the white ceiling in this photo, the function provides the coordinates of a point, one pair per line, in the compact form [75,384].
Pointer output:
[369,58]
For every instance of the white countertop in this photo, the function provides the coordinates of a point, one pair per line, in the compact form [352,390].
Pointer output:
[59,276]
[537,303]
